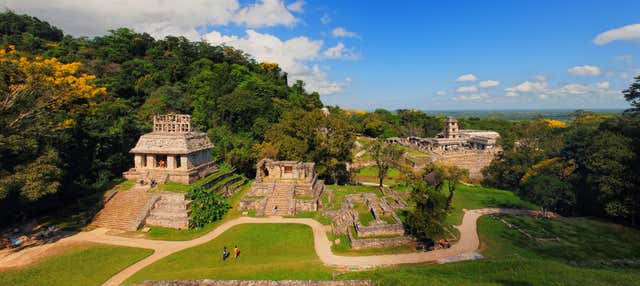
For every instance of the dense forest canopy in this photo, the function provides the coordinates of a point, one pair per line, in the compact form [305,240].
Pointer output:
[73,107]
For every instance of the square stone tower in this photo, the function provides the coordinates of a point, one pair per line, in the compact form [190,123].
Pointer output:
[451,128]
[172,152]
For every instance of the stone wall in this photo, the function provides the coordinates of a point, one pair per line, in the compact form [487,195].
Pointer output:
[306,205]
[260,189]
[380,230]
[141,215]
[252,204]
[472,161]
[171,210]
[383,242]
[207,282]
[342,220]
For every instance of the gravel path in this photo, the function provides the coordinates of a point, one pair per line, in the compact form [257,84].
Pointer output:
[468,242]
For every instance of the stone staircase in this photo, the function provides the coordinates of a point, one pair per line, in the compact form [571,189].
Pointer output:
[159,177]
[282,197]
[171,210]
[126,210]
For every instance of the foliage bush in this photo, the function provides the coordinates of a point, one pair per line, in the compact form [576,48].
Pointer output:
[206,207]
[426,220]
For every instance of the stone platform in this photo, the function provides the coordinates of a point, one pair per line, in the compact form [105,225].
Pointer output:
[171,210]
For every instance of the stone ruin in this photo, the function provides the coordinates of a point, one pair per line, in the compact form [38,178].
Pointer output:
[283,188]
[466,148]
[379,233]
[452,139]
[172,152]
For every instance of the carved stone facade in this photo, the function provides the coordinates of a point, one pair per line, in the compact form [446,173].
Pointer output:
[283,188]
[269,170]
[172,152]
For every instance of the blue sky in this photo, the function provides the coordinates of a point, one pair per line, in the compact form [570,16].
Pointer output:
[369,54]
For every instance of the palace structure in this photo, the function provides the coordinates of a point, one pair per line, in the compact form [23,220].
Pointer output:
[172,152]
[452,139]
[469,149]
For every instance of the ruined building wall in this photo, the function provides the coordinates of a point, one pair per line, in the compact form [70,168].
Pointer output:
[472,161]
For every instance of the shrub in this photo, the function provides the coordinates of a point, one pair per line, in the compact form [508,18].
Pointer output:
[206,207]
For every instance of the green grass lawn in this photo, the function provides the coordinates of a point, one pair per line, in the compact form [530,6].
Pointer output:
[370,174]
[580,239]
[413,152]
[513,259]
[314,215]
[511,271]
[90,264]
[175,187]
[126,185]
[364,214]
[476,197]
[268,251]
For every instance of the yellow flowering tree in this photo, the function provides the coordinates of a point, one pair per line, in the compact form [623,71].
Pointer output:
[38,87]
[39,99]
[555,123]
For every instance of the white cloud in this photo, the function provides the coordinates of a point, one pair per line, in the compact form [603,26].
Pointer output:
[265,13]
[542,91]
[317,80]
[156,17]
[466,77]
[510,92]
[530,86]
[293,56]
[584,89]
[471,88]
[603,85]
[441,93]
[296,6]
[489,83]
[585,70]
[477,96]
[339,51]
[539,85]
[341,32]
[325,19]
[626,33]
[572,88]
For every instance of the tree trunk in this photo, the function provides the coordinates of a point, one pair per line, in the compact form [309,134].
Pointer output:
[450,197]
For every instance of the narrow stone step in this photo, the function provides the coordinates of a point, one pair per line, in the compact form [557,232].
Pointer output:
[173,206]
[168,213]
[168,222]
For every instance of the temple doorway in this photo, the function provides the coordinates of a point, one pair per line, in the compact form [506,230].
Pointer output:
[161,161]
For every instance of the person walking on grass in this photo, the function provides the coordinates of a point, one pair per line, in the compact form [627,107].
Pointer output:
[225,253]
[236,252]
